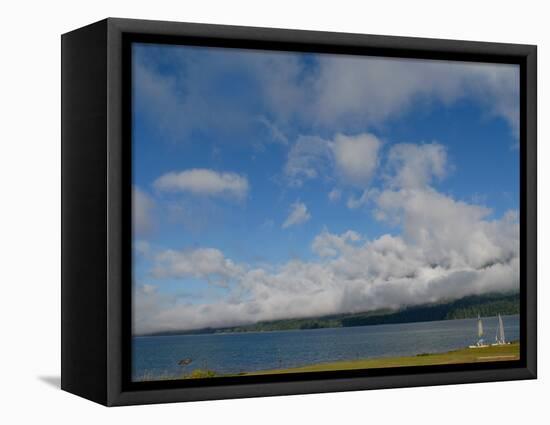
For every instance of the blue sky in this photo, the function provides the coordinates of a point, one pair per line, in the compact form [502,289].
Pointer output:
[259,175]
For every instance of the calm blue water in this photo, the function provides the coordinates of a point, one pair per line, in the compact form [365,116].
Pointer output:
[239,352]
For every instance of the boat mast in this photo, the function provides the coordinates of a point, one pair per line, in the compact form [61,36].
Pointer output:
[501,329]
[479,326]
[479,333]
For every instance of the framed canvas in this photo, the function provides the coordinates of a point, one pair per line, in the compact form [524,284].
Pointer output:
[253,212]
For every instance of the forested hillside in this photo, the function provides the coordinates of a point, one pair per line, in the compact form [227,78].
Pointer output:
[467,307]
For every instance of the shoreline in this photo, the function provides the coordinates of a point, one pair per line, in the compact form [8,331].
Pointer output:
[507,352]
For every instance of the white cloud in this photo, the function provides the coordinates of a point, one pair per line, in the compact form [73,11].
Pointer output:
[148,289]
[357,90]
[329,245]
[415,165]
[298,215]
[206,263]
[206,182]
[332,92]
[309,158]
[353,158]
[452,233]
[185,97]
[367,195]
[156,95]
[142,248]
[142,212]
[355,274]
[276,134]
[334,195]
[356,157]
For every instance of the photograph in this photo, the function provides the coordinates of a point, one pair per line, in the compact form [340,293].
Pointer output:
[297,212]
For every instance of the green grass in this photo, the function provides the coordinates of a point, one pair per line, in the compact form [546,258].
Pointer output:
[466,355]
[201,373]
[197,373]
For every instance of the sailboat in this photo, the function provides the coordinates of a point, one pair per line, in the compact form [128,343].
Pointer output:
[499,338]
[479,343]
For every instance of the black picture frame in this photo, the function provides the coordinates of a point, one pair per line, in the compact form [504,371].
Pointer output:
[96,211]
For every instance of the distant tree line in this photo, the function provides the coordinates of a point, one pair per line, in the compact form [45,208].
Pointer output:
[463,308]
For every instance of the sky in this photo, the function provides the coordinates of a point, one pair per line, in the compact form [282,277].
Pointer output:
[270,185]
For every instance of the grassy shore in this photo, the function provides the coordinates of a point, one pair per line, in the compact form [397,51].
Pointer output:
[466,355]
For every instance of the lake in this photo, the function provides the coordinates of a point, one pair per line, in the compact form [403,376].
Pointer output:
[155,356]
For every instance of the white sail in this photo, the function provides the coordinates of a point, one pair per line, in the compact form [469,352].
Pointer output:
[479,327]
[501,330]
[499,337]
[479,343]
